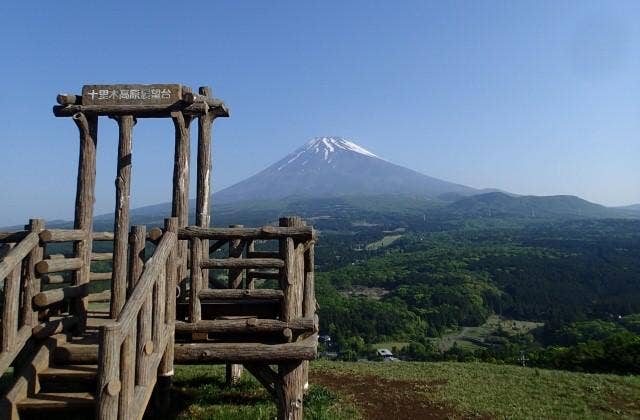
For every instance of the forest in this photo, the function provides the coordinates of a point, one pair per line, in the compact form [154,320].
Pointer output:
[580,279]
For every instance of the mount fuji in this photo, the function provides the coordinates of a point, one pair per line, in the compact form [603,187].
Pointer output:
[333,167]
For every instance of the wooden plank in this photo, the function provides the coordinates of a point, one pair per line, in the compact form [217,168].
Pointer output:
[100,276]
[55,326]
[132,94]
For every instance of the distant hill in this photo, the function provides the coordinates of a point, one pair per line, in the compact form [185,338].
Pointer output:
[497,204]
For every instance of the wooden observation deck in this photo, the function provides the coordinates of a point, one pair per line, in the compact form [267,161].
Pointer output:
[178,293]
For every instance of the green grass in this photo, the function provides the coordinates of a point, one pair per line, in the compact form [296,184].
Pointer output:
[382,243]
[199,392]
[506,391]
[466,337]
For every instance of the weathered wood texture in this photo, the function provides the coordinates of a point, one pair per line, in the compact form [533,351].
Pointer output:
[121,215]
[249,326]
[291,392]
[131,94]
[197,353]
[180,190]
[203,176]
[83,220]
[132,336]
[241,294]
[265,232]
[243,263]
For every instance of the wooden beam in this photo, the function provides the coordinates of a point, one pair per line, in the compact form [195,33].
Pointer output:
[53,296]
[62,235]
[249,326]
[265,232]
[202,353]
[59,264]
[241,294]
[143,111]
[242,263]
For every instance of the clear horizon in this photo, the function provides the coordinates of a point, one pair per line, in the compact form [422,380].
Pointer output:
[531,98]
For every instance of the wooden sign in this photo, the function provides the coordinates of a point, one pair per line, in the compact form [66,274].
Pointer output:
[157,94]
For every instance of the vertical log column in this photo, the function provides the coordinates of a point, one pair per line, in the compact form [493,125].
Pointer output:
[121,218]
[203,180]
[180,196]
[83,220]
[31,284]
[236,247]
[291,389]
[166,364]
[308,298]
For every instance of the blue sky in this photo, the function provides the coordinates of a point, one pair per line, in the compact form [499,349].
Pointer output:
[530,97]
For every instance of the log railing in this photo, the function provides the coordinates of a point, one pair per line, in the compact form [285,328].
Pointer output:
[133,348]
[17,271]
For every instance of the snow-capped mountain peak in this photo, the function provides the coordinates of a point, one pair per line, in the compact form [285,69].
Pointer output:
[335,166]
[324,148]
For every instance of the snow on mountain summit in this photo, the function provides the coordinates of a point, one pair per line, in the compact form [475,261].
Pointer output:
[335,166]
[325,148]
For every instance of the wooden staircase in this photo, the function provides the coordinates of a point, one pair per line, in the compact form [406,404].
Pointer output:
[70,362]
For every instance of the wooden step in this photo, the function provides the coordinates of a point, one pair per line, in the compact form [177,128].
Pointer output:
[69,378]
[58,401]
[73,353]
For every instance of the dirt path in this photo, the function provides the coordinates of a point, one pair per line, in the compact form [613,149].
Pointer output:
[384,399]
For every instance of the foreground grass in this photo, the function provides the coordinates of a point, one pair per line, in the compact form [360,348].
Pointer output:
[505,391]
[199,392]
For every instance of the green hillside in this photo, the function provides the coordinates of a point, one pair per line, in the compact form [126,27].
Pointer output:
[417,390]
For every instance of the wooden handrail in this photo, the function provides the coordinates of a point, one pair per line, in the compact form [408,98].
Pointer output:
[123,369]
[17,269]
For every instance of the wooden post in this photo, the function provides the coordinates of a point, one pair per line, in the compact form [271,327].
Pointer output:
[308,299]
[203,180]
[108,373]
[31,285]
[11,306]
[180,196]
[291,389]
[236,247]
[88,128]
[196,281]
[137,241]
[121,218]
[250,284]
[166,364]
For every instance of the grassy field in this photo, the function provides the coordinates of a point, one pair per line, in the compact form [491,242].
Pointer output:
[401,390]
[472,337]
[382,243]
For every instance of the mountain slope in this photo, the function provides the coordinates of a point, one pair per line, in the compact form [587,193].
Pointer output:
[498,204]
[333,166]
